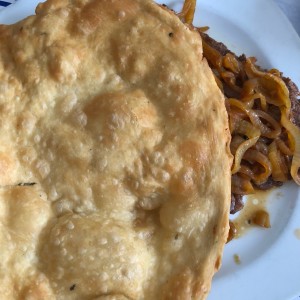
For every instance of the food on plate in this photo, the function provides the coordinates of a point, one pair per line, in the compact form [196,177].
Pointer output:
[264,118]
[114,155]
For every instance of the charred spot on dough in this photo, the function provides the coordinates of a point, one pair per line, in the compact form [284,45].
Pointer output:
[26,183]
[215,228]
[218,263]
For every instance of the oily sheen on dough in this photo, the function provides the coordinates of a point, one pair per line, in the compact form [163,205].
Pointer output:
[114,161]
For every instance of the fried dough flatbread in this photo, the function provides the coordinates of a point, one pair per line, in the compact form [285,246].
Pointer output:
[114,160]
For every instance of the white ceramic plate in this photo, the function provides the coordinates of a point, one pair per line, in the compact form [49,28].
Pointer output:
[270,259]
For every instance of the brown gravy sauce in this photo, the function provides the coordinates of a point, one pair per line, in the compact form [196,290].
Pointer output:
[297,233]
[253,203]
[237,259]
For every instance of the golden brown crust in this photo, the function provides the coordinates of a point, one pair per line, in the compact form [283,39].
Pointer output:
[118,135]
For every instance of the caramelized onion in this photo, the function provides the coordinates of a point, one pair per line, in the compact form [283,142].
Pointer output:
[261,147]
[294,134]
[212,55]
[246,171]
[283,147]
[231,63]
[274,87]
[252,133]
[258,157]
[279,171]
[240,185]
[266,130]
[188,11]
[251,114]
[261,218]
[255,116]
[235,143]
[230,80]
[258,106]
[257,96]
[203,29]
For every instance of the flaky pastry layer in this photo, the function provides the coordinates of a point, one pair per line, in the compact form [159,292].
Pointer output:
[114,161]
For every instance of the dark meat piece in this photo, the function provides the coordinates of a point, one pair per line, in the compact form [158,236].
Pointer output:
[229,92]
[295,101]
[223,50]
[220,47]
[292,87]
[237,200]
[268,184]
[236,203]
